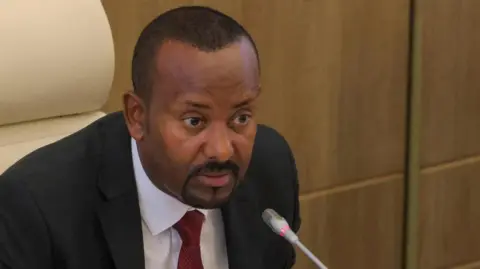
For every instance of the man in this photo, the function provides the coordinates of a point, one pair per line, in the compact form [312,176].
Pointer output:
[178,180]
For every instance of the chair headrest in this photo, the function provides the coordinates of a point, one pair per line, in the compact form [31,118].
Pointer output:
[56,58]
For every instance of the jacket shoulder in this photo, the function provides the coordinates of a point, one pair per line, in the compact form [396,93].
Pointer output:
[272,163]
[66,152]
[70,161]
[270,146]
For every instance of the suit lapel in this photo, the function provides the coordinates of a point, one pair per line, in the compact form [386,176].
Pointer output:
[120,213]
[121,225]
[243,230]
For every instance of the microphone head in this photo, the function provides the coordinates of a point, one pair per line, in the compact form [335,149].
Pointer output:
[269,215]
[278,224]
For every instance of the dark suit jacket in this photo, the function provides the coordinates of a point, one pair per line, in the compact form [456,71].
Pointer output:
[73,204]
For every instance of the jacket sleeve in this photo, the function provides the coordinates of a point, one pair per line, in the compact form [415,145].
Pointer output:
[296,223]
[24,238]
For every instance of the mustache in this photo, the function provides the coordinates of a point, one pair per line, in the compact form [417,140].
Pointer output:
[215,166]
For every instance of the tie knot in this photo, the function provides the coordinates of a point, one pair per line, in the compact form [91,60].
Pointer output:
[189,227]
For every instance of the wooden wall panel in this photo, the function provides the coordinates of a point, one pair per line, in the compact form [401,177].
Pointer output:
[372,96]
[449,215]
[451,81]
[358,227]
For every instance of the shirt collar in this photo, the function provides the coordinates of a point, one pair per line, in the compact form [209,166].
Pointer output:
[159,210]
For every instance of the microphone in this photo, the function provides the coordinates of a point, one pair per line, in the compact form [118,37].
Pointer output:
[280,226]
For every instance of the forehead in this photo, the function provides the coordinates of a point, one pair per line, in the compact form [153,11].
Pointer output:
[182,68]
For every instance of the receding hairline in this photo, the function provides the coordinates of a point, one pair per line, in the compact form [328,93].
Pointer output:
[175,56]
[238,41]
[157,61]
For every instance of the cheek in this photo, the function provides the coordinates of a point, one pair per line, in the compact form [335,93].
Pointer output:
[245,141]
[180,146]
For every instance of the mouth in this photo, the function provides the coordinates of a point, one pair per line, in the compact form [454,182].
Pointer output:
[215,179]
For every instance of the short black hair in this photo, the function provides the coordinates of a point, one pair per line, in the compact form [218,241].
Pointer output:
[202,27]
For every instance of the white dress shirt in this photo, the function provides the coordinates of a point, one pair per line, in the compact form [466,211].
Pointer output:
[160,212]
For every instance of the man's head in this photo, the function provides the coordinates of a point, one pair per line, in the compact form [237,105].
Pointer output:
[195,73]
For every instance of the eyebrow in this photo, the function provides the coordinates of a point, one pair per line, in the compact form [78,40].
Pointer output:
[243,103]
[204,106]
[197,105]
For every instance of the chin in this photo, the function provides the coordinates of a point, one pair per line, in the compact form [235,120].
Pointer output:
[204,205]
[206,197]
[214,202]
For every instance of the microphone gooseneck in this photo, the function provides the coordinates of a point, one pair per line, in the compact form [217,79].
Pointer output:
[280,226]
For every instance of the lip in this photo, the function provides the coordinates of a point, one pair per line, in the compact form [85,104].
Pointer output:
[216,180]
[215,174]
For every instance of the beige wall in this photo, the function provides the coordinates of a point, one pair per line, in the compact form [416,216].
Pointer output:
[335,78]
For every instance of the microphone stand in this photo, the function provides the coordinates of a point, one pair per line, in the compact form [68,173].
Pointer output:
[310,255]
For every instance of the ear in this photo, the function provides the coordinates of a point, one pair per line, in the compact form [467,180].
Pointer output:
[135,113]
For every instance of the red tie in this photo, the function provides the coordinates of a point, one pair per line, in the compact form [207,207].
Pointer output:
[189,228]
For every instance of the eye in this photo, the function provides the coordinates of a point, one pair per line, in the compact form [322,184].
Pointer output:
[194,122]
[242,119]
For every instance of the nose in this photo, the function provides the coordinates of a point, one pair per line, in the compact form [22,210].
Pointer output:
[218,144]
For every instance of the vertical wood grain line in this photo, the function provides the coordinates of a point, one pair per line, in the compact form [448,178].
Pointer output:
[411,202]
